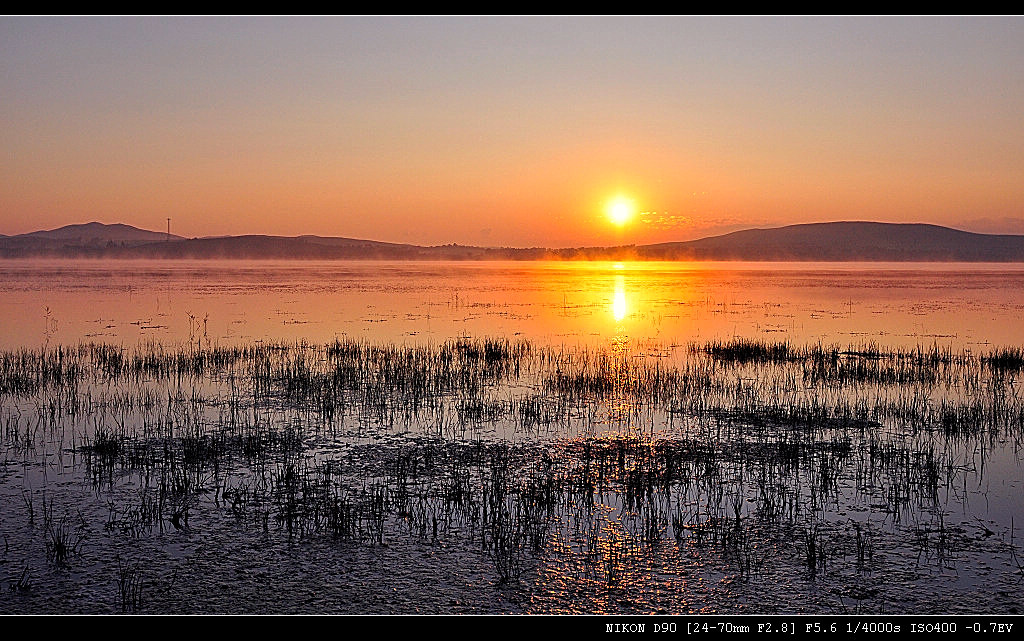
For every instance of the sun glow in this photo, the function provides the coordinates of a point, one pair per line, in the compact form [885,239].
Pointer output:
[620,210]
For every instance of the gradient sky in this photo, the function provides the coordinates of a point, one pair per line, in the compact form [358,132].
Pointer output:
[509,130]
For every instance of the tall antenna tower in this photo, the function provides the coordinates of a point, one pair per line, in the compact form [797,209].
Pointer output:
[168,229]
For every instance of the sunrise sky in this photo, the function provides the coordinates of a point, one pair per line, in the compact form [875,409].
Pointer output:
[516,131]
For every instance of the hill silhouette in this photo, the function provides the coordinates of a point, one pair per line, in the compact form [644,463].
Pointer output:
[847,241]
[832,241]
[71,240]
[90,232]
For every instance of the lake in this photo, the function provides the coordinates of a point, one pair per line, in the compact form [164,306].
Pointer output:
[523,438]
[553,302]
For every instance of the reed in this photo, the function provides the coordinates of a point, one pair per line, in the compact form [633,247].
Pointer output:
[744,450]
[129,586]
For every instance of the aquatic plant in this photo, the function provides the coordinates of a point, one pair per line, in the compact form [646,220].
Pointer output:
[742,452]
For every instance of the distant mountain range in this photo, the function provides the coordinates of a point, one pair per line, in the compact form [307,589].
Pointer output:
[835,241]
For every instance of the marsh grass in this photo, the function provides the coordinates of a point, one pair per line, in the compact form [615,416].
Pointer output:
[23,582]
[129,586]
[64,535]
[747,453]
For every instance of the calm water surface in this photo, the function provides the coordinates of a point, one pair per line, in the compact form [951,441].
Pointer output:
[963,305]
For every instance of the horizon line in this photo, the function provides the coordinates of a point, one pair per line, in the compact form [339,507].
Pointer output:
[179,237]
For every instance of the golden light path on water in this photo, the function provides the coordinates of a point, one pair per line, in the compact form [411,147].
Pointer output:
[619,305]
[231,302]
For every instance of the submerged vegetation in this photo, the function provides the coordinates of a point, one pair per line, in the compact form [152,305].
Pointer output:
[587,480]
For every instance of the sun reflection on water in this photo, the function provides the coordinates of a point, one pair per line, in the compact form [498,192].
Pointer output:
[619,306]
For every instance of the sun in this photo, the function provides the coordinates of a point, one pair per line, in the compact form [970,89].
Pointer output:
[620,210]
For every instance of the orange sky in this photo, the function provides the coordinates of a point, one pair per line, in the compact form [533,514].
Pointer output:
[510,131]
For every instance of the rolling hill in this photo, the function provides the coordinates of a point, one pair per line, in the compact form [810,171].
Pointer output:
[847,241]
[832,241]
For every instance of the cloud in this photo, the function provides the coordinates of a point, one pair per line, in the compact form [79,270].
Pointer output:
[662,221]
